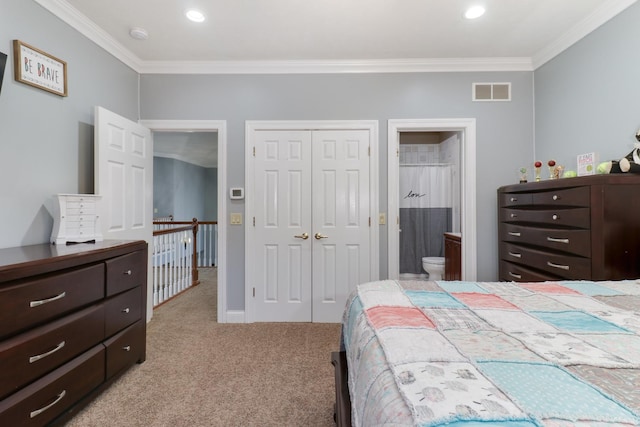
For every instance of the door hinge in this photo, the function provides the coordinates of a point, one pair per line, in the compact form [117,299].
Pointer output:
[254,292]
[369,221]
[254,151]
[369,151]
[397,152]
[254,221]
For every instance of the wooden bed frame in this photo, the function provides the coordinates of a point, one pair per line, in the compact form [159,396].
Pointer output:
[342,407]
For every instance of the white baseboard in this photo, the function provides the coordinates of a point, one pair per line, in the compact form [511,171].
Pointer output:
[235,316]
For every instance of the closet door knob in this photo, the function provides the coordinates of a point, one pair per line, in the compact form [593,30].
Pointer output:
[319,236]
[303,236]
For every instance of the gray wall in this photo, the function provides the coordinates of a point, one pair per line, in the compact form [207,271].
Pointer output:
[183,190]
[584,102]
[46,141]
[504,129]
[587,98]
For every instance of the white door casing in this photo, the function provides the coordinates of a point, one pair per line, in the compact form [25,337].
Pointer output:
[219,126]
[467,126]
[339,211]
[124,178]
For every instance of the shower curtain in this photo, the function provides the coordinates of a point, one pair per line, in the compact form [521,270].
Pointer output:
[425,213]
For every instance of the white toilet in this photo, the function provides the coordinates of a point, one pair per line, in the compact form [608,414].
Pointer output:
[434,266]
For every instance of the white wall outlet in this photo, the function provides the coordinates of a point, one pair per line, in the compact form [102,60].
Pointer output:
[236,218]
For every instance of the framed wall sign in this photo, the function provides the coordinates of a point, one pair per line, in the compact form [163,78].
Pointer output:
[37,68]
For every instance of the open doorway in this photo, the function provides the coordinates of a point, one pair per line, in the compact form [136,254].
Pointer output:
[429,200]
[219,128]
[460,133]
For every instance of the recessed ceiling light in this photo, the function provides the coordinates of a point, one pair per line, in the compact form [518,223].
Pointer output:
[474,12]
[138,33]
[194,15]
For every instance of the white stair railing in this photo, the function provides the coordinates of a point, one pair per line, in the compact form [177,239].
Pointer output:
[179,248]
[173,259]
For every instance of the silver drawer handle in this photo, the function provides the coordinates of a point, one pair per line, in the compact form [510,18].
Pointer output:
[48,353]
[517,276]
[513,199]
[41,410]
[513,233]
[513,215]
[554,217]
[562,267]
[45,301]
[127,348]
[553,239]
[126,310]
[555,197]
[127,273]
[515,254]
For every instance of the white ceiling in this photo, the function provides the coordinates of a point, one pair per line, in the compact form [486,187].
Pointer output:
[198,148]
[344,35]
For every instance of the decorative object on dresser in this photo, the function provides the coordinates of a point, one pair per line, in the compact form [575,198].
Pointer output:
[452,256]
[72,319]
[76,219]
[581,228]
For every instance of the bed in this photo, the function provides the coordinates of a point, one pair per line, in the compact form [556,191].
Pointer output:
[466,354]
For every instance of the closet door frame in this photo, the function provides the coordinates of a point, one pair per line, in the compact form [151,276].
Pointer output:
[311,125]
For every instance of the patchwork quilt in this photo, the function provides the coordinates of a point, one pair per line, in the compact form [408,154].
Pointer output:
[470,354]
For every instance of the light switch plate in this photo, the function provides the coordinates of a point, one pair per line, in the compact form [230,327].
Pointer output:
[236,219]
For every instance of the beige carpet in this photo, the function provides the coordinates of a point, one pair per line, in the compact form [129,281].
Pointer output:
[201,373]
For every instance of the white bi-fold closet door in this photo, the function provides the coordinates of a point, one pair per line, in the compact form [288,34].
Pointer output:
[310,242]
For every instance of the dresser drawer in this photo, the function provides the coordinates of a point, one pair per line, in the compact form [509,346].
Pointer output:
[564,266]
[126,348]
[515,199]
[32,302]
[126,272]
[81,208]
[577,242]
[32,354]
[575,217]
[45,399]
[517,273]
[577,196]
[122,310]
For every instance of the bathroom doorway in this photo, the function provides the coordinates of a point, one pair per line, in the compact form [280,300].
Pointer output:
[429,196]
[453,206]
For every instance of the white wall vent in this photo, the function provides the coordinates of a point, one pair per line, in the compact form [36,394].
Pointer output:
[491,92]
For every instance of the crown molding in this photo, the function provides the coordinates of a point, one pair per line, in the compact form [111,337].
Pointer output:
[338,66]
[89,29]
[604,13]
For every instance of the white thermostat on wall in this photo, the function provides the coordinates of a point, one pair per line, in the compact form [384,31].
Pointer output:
[236,193]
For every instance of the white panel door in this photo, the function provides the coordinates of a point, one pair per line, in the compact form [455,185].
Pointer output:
[312,235]
[124,179]
[282,250]
[341,233]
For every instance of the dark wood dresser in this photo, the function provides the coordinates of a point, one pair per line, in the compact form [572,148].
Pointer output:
[71,319]
[570,228]
[452,256]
